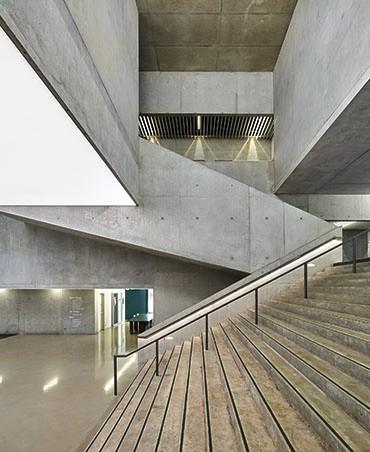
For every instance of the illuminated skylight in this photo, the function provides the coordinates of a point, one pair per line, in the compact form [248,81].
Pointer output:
[44,157]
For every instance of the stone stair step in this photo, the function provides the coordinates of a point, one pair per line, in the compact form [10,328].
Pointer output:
[248,418]
[346,320]
[336,428]
[150,431]
[136,409]
[336,296]
[361,310]
[357,340]
[170,436]
[345,390]
[103,434]
[348,360]
[362,267]
[288,419]
[223,432]
[195,435]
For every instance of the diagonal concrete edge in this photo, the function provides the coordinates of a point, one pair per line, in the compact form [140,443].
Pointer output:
[191,212]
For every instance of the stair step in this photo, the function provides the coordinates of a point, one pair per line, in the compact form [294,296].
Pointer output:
[349,321]
[336,428]
[360,310]
[170,436]
[194,428]
[150,431]
[339,296]
[136,411]
[357,340]
[362,267]
[223,434]
[350,361]
[345,390]
[252,427]
[104,433]
[288,420]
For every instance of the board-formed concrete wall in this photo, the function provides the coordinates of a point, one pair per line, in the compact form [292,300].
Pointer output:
[38,258]
[191,212]
[89,56]
[206,92]
[323,64]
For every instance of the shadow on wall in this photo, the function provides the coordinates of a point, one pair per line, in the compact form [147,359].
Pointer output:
[214,149]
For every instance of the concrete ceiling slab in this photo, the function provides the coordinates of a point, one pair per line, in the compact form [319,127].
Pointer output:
[212,35]
[339,163]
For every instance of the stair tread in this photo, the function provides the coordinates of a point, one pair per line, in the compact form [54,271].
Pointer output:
[333,313]
[136,409]
[296,429]
[354,355]
[340,329]
[250,418]
[334,303]
[153,424]
[223,433]
[144,374]
[352,433]
[349,383]
[170,438]
[195,436]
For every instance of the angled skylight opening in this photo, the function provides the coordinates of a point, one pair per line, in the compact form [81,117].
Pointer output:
[44,158]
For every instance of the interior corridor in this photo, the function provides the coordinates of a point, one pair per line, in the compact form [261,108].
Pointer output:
[55,389]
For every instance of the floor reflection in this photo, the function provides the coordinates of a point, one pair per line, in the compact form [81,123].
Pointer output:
[55,389]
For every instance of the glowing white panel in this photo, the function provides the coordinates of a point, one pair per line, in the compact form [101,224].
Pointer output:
[44,158]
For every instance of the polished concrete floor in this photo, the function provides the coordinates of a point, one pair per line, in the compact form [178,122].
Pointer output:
[55,389]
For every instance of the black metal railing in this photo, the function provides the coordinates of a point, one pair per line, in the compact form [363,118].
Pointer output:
[209,309]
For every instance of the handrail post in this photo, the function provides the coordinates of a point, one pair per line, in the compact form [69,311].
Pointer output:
[157,358]
[206,316]
[256,306]
[354,254]
[115,374]
[305,273]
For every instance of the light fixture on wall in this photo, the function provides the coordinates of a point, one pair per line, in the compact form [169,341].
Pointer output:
[2,290]
[199,122]
[57,290]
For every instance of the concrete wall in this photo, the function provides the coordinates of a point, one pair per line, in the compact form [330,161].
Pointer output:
[191,212]
[201,148]
[35,258]
[333,207]
[323,63]
[256,174]
[47,312]
[89,56]
[206,92]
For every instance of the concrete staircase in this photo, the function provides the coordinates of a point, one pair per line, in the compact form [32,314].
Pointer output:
[299,380]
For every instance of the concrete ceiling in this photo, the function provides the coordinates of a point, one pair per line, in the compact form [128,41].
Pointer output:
[339,163]
[212,35]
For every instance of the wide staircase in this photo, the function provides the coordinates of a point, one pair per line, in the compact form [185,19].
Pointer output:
[299,380]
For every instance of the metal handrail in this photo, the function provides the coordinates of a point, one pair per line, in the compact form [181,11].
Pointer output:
[255,290]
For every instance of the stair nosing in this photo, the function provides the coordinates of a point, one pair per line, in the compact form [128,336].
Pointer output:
[326,325]
[298,393]
[333,350]
[314,368]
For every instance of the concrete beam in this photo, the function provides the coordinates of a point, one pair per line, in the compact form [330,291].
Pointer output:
[191,212]
[321,98]
[95,79]
[32,257]
[194,92]
[332,207]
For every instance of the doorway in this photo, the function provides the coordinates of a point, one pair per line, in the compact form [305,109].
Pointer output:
[102,311]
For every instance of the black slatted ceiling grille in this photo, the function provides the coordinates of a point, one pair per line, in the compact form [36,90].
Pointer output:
[173,126]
